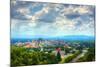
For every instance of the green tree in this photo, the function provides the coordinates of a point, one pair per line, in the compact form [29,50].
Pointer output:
[89,56]
[58,57]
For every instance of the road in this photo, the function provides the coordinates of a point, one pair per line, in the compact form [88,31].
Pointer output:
[75,59]
[80,55]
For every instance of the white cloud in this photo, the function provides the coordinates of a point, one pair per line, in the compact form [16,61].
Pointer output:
[77,9]
[32,24]
[13,2]
[60,26]
[23,10]
[40,13]
[13,23]
[64,22]
[81,9]
[45,10]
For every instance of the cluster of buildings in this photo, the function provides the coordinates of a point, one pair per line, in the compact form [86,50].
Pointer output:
[33,44]
[39,44]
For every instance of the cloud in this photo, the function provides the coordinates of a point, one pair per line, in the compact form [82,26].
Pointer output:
[33,19]
[13,2]
[79,9]
[23,11]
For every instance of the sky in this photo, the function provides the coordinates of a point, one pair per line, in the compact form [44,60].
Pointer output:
[41,19]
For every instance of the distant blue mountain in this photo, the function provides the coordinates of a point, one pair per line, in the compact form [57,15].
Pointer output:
[71,37]
[68,38]
[77,37]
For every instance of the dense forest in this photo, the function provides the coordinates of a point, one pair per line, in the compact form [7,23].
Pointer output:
[21,56]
